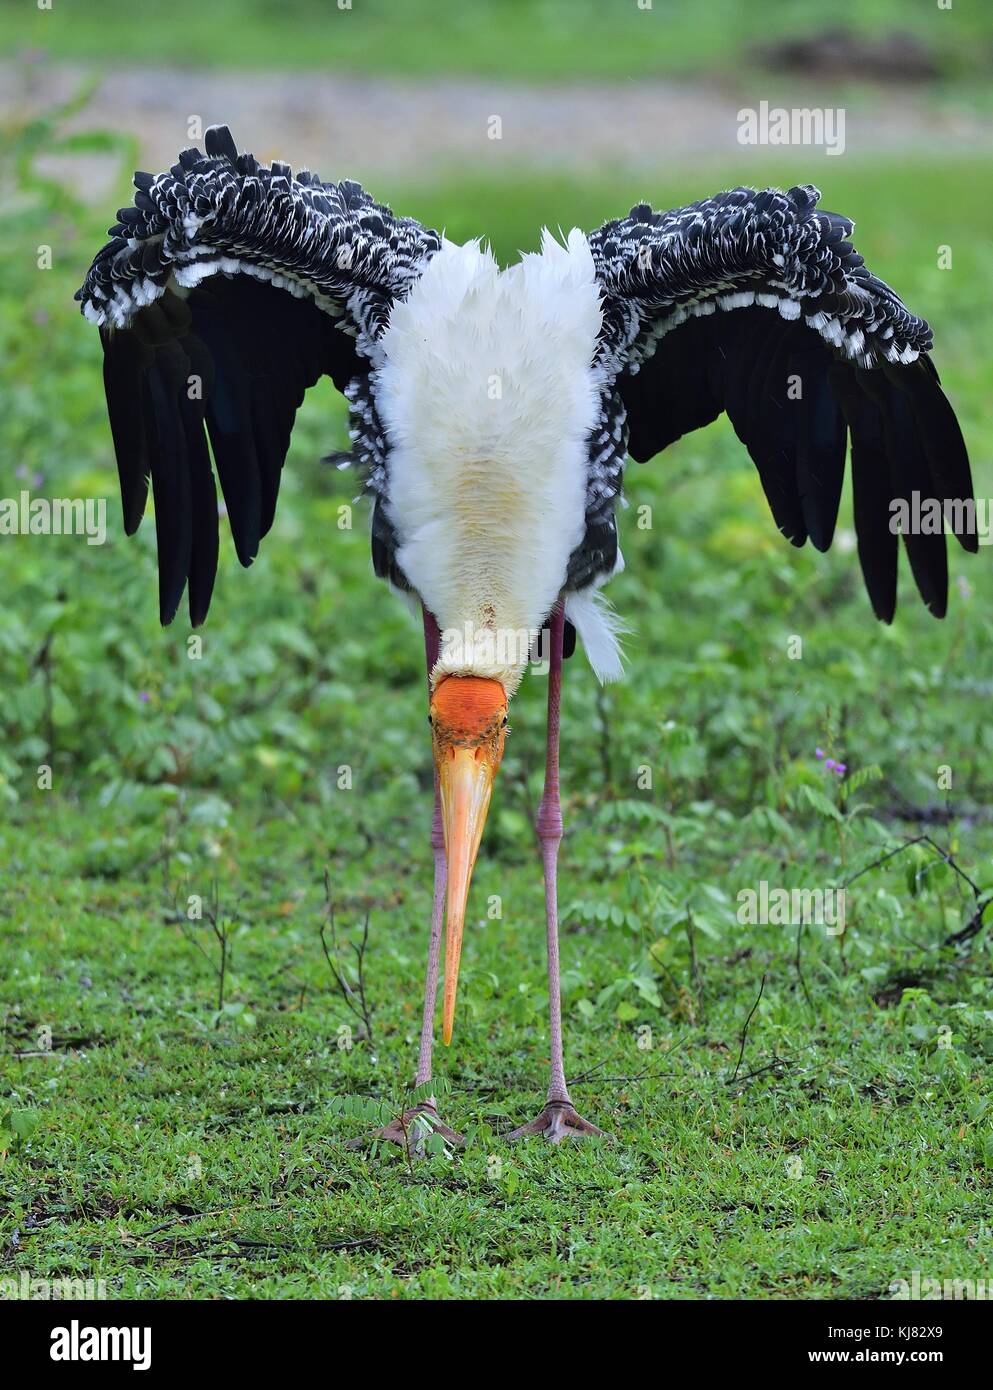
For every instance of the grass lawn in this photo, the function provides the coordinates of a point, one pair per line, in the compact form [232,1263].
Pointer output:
[177,1138]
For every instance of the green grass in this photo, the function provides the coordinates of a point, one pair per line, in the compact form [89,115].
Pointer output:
[536,39]
[173,1148]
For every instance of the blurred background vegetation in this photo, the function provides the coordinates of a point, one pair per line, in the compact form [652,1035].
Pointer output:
[171,775]
[523,39]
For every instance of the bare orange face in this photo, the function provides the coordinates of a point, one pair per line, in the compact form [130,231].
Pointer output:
[469,712]
[468,727]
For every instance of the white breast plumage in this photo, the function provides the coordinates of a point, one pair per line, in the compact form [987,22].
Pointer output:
[487,390]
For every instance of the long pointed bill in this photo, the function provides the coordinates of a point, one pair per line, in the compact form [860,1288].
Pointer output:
[466,784]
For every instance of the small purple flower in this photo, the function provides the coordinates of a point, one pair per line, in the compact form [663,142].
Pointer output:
[144,696]
[830,764]
[840,769]
[21,472]
[818,752]
[37,479]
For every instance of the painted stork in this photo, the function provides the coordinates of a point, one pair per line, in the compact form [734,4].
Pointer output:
[491,413]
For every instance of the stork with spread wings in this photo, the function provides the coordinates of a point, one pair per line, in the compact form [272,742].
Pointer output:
[230,287]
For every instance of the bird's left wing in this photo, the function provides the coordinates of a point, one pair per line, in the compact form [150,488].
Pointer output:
[225,292]
[757,304]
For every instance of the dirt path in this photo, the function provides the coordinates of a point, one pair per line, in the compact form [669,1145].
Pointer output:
[378,128]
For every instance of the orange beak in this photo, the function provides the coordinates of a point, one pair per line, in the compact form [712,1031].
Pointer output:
[466,779]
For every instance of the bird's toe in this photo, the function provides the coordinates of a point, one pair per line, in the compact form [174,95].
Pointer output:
[558,1120]
[413,1132]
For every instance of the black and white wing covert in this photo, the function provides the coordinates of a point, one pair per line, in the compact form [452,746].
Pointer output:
[756,304]
[227,290]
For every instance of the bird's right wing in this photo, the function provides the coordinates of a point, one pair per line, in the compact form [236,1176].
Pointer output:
[225,292]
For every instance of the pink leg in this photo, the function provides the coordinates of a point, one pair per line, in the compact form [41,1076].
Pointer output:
[558,1120]
[431,640]
[434,946]
[550,837]
[408,1133]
